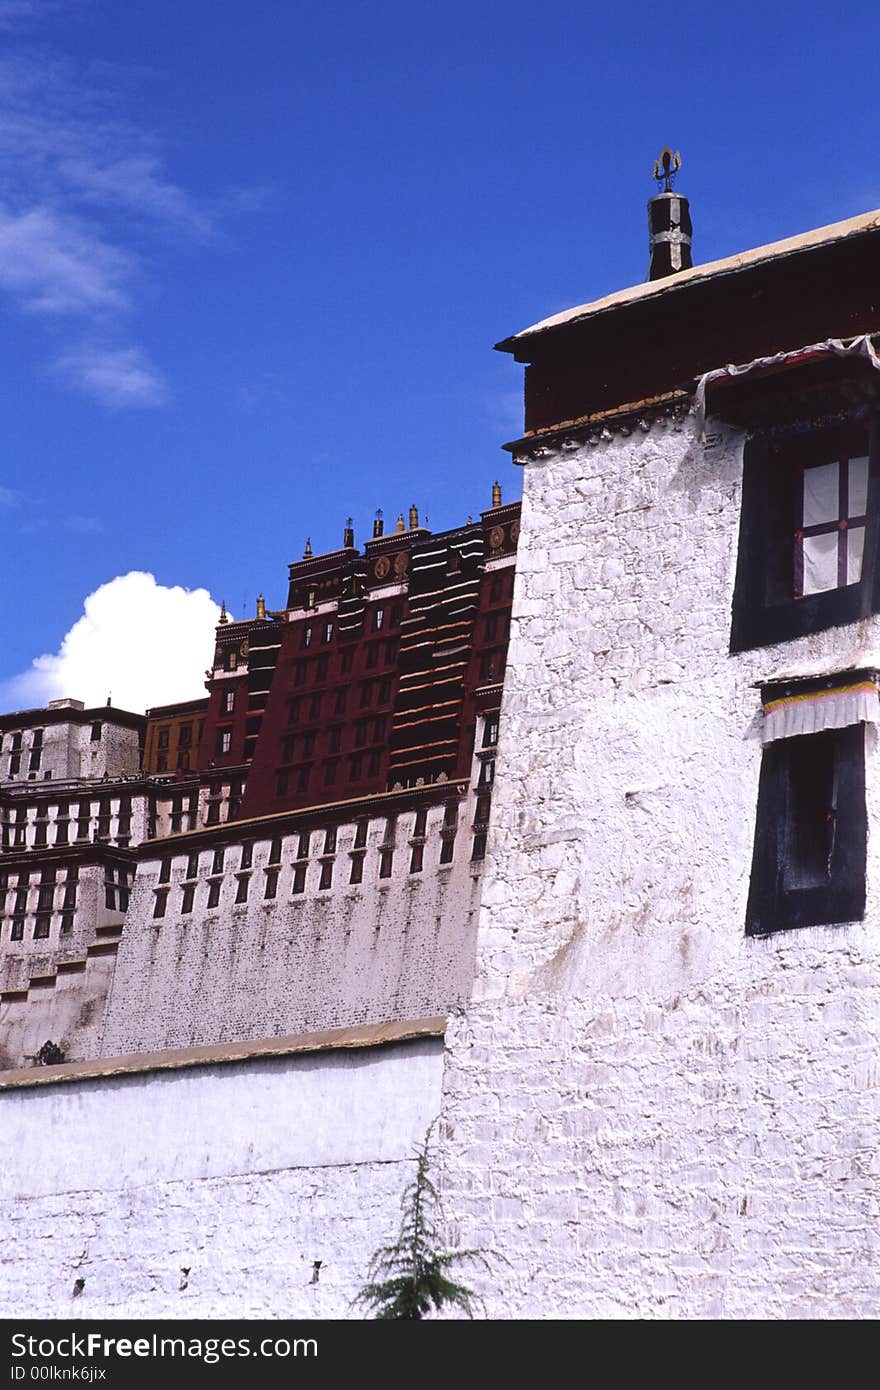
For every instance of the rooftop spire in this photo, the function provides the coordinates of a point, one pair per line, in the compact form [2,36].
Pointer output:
[224,616]
[378,524]
[496,493]
[348,535]
[261,606]
[307,553]
[669,221]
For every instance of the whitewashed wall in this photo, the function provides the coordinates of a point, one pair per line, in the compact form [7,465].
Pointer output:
[245,1174]
[395,948]
[648,1113]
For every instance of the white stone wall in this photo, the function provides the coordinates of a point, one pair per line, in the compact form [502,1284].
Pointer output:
[648,1113]
[68,750]
[243,1174]
[400,947]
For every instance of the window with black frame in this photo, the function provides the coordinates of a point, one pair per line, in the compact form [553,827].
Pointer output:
[810,848]
[807,556]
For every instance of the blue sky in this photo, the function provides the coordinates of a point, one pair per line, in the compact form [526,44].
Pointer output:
[253,258]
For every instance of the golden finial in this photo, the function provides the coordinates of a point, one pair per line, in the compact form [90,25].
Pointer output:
[378,524]
[496,493]
[261,606]
[401,524]
[413,517]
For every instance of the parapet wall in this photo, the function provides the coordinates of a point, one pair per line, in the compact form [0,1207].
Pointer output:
[308,957]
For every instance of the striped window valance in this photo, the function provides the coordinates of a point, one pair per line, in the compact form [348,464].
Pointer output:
[810,705]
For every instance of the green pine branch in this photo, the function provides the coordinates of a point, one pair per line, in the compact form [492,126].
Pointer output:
[413,1276]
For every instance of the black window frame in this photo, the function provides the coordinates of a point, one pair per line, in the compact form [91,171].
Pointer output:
[774,905]
[772,472]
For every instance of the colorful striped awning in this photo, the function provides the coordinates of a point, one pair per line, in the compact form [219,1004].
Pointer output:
[809,706]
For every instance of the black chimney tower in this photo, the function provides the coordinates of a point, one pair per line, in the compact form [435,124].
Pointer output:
[669,221]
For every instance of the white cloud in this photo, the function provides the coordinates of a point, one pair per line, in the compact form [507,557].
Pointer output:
[55,265]
[116,376]
[84,193]
[141,642]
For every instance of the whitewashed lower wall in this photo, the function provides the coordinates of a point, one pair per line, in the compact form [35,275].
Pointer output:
[646,1112]
[245,1174]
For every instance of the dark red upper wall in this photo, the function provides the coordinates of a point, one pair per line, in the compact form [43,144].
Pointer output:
[379,689]
[633,351]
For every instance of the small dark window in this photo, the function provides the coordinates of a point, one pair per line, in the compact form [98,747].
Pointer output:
[161,902]
[16,932]
[357,869]
[334,742]
[271,883]
[165,870]
[41,926]
[241,892]
[384,691]
[341,697]
[217,863]
[326,874]
[417,859]
[227,704]
[281,782]
[330,840]
[192,865]
[293,711]
[308,745]
[330,768]
[347,661]
[302,779]
[386,863]
[447,850]
[321,668]
[372,655]
[96,731]
[186,900]
[479,849]
[490,731]
[366,694]
[808,864]
[303,844]
[185,736]
[14,765]
[214,893]
[247,855]
[299,879]
[163,738]
[360,834]
[421,822]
